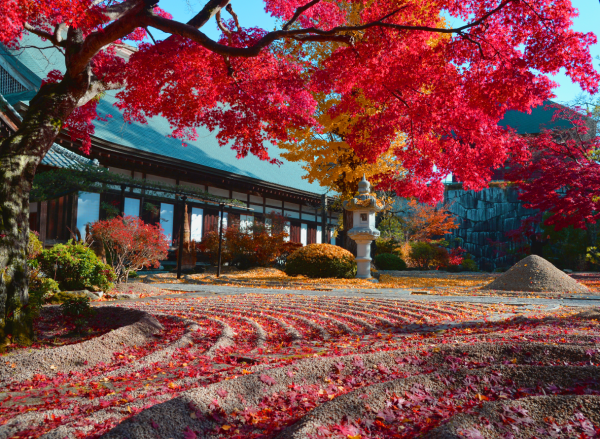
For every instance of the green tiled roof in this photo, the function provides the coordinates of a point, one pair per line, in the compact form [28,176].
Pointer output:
[539,119]
[153,137]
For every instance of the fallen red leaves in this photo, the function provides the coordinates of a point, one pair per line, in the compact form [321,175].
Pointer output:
[260,334]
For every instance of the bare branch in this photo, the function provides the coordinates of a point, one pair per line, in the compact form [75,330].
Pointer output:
[97,87]
[43,34]
[211,8]
[234,15]
[220,23]
[299,12]
[58,32]
[308,34]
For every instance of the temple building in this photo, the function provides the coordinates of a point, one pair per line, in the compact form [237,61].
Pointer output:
[146,152]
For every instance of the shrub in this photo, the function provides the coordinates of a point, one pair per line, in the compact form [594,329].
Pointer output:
[426,255]
[130,244]
[388,261]
[469,265]
[78,310]
[75,267]
[35,247]
[389,245]
[321,260]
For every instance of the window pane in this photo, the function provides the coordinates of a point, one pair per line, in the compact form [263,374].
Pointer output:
[88,210]
[132,207]
[196,229]
[319,235]
[166,220]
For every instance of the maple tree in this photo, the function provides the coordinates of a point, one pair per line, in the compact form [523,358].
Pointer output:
[130,244]
[445,97]
[563,176]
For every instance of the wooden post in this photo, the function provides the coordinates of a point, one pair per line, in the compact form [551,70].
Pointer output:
[180,245]
[325,221]
[222,206]
[123,187]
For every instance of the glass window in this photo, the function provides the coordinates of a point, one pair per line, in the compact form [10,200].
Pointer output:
[319,235]
[196,228]
[332,237]
[88,210]
[270,209]
[287,229]
[257,208]
[166,220]
[246,221]
[132,207]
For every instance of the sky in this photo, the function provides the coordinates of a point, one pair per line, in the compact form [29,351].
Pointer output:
[251,14]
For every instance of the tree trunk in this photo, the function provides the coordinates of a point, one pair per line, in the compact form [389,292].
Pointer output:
[20,155]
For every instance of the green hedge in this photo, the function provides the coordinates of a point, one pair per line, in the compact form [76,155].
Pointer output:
[389,261]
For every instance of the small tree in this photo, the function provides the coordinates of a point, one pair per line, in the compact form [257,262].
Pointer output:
[130,244]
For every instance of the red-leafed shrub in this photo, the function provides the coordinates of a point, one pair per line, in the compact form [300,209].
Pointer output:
[130,244]
[256,245]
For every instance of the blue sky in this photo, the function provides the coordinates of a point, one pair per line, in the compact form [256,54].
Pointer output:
[251,14]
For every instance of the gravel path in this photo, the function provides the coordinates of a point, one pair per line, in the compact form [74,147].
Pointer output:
[281,365]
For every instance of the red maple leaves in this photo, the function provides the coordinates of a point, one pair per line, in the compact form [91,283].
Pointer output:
[399,72]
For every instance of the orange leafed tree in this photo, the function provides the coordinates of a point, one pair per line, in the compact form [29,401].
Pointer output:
[425,222]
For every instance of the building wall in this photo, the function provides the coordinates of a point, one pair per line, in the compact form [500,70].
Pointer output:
[486,218]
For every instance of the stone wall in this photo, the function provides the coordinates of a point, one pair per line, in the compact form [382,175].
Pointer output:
[485,217]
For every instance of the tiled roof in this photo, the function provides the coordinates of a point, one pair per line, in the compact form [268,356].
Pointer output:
[153,137]
[539,119]
[60,157]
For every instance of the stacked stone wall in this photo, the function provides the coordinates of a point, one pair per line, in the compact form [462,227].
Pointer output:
[485,219]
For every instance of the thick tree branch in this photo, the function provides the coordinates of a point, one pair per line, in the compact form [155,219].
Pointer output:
[59,30]
[208,11]
[96,87]
[94,42]
[299,12]
[117,11]
[308,34]
[43,34]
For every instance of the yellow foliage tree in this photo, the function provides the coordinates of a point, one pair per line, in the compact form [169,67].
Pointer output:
[326,156]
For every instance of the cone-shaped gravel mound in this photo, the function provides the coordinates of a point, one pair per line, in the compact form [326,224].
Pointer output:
[537,275]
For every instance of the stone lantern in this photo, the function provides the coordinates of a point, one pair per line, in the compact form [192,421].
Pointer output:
[364,208]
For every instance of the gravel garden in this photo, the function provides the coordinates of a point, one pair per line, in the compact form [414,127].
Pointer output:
[309,352]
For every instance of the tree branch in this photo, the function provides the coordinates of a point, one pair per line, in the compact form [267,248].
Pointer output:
[43,34]
[308,34]
[234,15]
[208,11]
[299,12]
[95,41]
[114,12]
[58,32]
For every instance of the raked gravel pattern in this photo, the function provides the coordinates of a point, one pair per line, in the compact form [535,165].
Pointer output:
[300,366]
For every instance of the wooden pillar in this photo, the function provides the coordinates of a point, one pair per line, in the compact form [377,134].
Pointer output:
[180,244]
[43,221]
[222,206]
